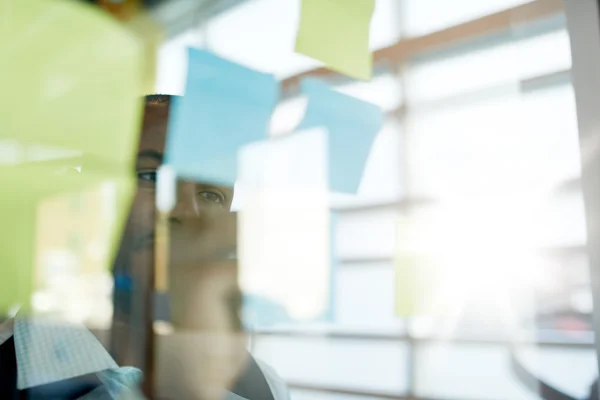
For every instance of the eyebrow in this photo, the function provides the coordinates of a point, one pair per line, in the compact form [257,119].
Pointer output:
[151,154]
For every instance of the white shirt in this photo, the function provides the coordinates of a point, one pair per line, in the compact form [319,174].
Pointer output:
[48,352]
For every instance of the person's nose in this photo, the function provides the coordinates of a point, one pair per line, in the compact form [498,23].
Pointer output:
[186,206]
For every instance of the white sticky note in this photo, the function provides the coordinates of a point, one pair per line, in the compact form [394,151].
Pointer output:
[284,225]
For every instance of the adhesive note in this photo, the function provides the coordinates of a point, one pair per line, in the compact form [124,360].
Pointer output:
[352,126]
[284,229]
[151,34]
[79,95]
[426,283]
[75,235]
[225,107]
[413,269]
[259,312]
[68,104]
[413,286]
[62,228]
[336,32]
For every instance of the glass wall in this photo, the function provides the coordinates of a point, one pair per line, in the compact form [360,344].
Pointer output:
[478,167]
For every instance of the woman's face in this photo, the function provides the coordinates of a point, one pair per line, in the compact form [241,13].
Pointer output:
[203,290]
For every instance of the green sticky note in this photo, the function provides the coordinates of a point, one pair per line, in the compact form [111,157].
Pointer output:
[71,82]
[424,286]
[16,272]
[151,34]
[336,32]
[57,224]
[421,273]
[71,79]
[414,285]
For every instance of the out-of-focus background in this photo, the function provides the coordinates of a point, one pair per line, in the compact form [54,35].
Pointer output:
[480,141]
[477,166]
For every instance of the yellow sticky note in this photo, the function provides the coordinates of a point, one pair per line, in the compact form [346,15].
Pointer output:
[70,78]
[421,273]
[336,32]
[74,249]
[415,286]
[151,34]
[16,247]
[61,227]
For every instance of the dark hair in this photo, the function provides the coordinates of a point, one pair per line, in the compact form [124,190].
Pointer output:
[159,99]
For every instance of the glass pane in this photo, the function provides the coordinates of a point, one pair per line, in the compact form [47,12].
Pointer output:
[344,363]
[383,90]
[426,16]
[258,47]
[468,371]
[516,221]
[173,62]
[366,234]
[359,313]
[287,116]
[511,142]
[316,395]
[383,176]
[481,68]
[476,167]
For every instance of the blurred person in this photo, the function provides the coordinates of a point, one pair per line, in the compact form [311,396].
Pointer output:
[204,358]
[207,350]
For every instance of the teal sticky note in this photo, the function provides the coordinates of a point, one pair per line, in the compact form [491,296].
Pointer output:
[259,312]
[352,126]
[225,107]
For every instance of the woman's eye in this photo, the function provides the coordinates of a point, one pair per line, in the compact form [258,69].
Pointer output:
[213,197]
[147,177]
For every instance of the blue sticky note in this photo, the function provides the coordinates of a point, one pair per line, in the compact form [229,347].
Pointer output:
[259,312]
[352,125]
[225,107]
